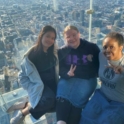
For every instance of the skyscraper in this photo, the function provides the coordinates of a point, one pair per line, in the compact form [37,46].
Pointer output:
[75,15]
[55,5]
[82,17]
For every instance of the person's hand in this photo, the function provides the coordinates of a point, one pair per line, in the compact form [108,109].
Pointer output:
[117,69]
[71,71]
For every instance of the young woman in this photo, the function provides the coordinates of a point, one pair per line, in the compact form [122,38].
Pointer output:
[107,104]
[78,71]
[39,75]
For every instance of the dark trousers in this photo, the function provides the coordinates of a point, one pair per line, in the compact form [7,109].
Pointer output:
[45,105]
[67,112]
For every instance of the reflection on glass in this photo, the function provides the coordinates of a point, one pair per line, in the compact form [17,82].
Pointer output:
[105,20]
[21,21]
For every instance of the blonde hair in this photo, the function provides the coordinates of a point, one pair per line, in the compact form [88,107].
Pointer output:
[69,27]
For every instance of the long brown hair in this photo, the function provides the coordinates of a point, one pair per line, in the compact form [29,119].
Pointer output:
[44,30]
[38,48]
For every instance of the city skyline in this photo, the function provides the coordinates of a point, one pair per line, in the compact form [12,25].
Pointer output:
[21,21]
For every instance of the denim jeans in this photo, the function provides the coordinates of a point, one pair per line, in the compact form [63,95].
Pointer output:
[100,110]
[76,90]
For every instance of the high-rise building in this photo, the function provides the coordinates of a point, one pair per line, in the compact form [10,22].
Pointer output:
[117,23]
[82,17]
[75,15]
[55,5]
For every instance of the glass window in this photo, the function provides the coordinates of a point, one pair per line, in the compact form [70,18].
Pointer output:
[22,20]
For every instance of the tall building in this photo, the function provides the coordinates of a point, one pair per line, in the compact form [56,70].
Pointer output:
[55,5]
[74,15]
[82,17]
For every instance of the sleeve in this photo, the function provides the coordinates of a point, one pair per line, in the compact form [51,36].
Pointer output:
[62,67]
[23,79]
[25,82]
[96,58]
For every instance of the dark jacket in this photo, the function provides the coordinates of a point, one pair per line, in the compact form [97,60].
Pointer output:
[85,57]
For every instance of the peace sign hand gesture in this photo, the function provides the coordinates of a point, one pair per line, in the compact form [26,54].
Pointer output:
[117,69]
[71,71]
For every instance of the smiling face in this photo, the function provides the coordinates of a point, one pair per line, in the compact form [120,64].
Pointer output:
[48,40]
[111,49]
[72,38]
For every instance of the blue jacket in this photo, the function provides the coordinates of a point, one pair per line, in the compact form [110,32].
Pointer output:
[30,79]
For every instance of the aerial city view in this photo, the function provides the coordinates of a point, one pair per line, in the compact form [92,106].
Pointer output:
[21,22]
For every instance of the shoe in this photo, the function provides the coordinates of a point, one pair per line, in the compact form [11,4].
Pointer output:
[18,105]
[17,117]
